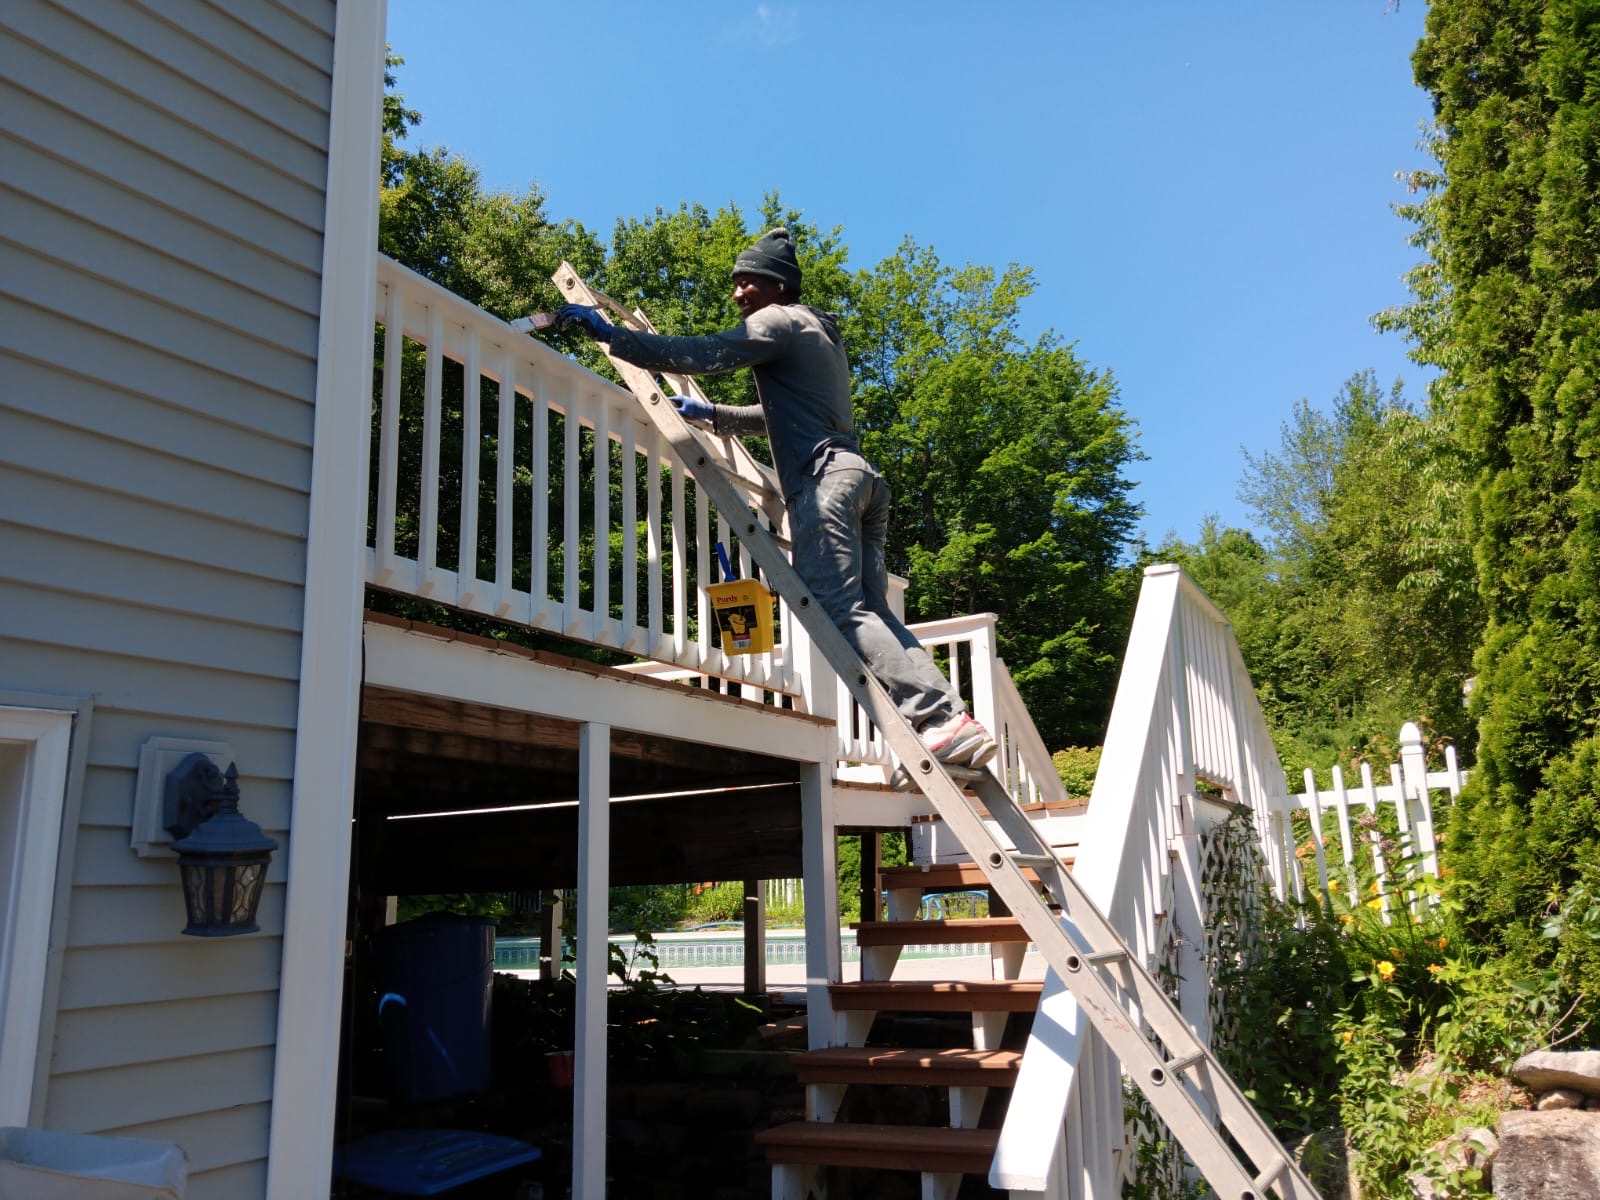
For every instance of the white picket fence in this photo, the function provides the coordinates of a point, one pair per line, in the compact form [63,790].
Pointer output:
[1396,863]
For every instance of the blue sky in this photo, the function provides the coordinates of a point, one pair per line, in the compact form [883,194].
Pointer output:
[1203,191]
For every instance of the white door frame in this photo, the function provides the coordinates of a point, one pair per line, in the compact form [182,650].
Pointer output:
[36,744]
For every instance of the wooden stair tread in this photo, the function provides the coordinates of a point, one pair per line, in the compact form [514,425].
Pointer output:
[945,932]
[883,1147]
[938,995]
[955,876]
[913,1067]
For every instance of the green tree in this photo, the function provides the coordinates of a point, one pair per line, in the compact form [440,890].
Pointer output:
[1008,464]
[1510,307]
[1359,612]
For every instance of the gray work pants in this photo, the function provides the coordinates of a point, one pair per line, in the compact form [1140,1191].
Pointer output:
[839,522]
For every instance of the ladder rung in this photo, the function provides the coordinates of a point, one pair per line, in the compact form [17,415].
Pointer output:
[1175,1067]
[1024,858]
[1101,957]
[1266,1179]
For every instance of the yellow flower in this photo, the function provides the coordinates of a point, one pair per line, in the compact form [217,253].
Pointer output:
[1348,1036]
[1443,942]
[1333,885]
[1434,968]
[1378,903]
[1347,919]
[1386,969]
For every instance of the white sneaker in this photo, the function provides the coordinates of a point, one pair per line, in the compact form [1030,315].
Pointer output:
[958,741]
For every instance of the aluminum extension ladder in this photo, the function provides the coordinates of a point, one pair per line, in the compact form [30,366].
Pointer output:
[1176,1072]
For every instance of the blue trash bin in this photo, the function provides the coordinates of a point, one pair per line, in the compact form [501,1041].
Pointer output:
[435,980]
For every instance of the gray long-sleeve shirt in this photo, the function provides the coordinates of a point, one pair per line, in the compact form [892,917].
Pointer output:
[802,378]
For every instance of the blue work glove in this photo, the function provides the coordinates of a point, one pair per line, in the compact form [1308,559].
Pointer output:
[581,316]
[694,410]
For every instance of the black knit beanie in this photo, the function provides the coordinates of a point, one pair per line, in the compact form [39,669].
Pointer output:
[772,255]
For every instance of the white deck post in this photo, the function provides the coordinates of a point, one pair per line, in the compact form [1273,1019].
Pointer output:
[820,857]
[589,1035]
[755,938]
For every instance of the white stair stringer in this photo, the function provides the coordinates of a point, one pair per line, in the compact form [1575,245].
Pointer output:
[1177,1073]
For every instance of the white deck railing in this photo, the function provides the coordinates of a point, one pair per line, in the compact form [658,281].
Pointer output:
[1184,711]
[590,527]
[548,501]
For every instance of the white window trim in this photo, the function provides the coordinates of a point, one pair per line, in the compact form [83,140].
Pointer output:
[46,735]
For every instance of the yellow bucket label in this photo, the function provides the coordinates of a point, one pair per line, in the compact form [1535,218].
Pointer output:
[743,610]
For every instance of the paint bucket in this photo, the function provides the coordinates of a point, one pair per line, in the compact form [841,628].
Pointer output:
[743,611]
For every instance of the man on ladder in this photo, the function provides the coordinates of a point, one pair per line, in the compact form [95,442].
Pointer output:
[837,502]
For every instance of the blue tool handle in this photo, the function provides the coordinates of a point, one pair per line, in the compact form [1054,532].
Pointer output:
[727,571]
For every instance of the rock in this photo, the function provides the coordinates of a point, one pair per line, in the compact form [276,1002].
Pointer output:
[1325,1158]
[1561,1097]
[1548,1156]
[1465,1148]
[1546,1069]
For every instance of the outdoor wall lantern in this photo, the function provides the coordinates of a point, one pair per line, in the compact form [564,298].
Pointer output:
[222,854]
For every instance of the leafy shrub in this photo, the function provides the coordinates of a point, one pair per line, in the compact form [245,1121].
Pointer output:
[1077,766]
[1283,1057]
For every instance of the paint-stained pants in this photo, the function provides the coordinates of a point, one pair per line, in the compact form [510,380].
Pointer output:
[839,522]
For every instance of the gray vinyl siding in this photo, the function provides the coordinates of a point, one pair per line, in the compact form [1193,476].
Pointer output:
[162,176]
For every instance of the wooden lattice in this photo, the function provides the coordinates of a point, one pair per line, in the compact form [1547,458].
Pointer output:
[1233,881]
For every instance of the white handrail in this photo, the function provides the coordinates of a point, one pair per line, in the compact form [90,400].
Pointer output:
[1184,712]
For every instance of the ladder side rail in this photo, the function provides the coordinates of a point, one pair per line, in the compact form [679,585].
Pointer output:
[1090,933]
[1152,621]
[1073,946]
[1097,936]
[1061,942]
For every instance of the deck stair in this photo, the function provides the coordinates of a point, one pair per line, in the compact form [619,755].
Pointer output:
[1223,1135]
